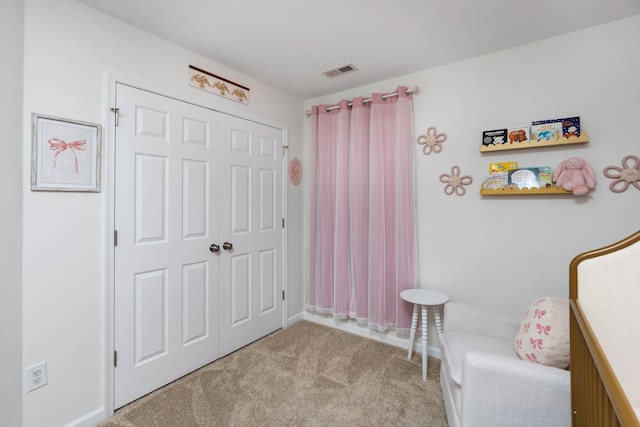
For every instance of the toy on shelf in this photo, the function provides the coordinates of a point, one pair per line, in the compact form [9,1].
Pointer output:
[625,175]
[575,175]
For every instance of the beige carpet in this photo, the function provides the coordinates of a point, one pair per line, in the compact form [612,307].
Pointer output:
[305,375]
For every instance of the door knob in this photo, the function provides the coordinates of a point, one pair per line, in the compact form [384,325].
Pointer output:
[214,248]
[227,246]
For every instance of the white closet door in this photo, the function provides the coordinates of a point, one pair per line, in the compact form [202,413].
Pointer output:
[166,217]
[251,274]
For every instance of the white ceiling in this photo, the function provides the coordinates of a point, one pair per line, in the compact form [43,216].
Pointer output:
[289,43]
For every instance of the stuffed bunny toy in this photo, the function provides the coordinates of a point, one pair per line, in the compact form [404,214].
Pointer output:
[576,175]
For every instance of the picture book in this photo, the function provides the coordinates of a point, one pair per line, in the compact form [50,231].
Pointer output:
[546,131]
[518,134]
[544,176]
[502,167]
[569,126]
[494,137]
[497,180]
[524,178]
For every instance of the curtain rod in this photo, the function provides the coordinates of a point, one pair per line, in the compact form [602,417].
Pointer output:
[415,89]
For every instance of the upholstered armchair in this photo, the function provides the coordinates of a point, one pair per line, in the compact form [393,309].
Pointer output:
[486,383]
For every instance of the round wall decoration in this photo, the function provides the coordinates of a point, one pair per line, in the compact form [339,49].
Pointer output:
[454,182]
[625,175]
[295,171]
[432,141]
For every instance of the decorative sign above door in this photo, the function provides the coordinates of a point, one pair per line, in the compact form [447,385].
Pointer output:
[217,85]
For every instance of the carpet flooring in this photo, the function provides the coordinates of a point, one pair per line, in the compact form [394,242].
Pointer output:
[305,375]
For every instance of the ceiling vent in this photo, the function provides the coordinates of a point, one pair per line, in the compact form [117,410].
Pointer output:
[335,72]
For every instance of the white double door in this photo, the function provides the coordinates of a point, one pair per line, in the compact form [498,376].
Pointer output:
[198,258]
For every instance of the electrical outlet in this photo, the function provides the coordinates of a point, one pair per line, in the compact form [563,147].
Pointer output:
[36,376]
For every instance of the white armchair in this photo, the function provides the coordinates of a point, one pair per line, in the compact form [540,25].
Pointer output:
[485,383]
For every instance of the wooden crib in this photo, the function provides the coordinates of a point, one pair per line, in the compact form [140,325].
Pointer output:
[604,292]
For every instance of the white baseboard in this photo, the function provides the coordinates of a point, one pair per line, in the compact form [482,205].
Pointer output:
[386,337]
[295,319]
[89,420]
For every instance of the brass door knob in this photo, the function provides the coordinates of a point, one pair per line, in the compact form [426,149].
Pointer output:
[214,248]
[227,246]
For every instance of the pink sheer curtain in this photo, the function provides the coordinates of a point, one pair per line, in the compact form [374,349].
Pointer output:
[362,219]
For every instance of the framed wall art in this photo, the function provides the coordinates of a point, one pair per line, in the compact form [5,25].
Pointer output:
[65,154]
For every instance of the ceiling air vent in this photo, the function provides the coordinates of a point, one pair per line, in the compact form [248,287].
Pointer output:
[335,72]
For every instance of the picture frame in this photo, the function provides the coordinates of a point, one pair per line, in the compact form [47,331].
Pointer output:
[65,154]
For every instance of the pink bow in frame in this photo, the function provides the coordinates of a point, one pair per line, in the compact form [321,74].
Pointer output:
[59,146]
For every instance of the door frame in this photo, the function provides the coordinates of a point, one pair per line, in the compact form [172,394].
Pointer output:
[111,81]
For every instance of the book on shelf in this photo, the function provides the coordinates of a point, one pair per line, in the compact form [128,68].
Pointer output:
[499,174]
[502,166]
[546,131]
[530,177]
[565,127]
[545,175]
[519,134]
[494,137]
[524,178]
[497,180]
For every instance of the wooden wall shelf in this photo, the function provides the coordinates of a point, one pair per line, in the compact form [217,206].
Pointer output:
[582,139]
[508,191]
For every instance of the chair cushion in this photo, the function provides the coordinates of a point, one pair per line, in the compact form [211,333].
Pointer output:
[455,344]
[543,336]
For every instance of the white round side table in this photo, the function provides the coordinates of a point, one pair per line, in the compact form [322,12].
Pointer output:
[421,299]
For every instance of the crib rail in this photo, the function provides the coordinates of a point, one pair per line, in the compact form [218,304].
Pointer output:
[597,398]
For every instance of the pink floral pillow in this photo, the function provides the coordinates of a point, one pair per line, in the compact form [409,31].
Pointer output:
[543,336]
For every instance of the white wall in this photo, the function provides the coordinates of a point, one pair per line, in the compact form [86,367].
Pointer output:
[11,54]
[69,50]
[502,252]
